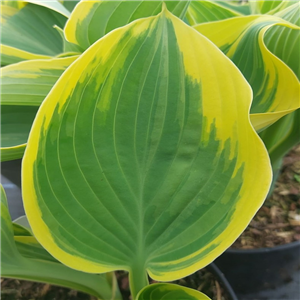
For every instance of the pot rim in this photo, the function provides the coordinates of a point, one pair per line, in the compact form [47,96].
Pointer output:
[212,267]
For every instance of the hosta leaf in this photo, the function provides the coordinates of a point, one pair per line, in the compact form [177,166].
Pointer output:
[9,254]
[20,230]
[283,5]
[31,30]
[70,4]
[7,12]
[11,55]
[15,4]
[281,137]
[275,86]
[29,247]
[36,264]
[16,122]
[142,157]
[207,11]
[270,7]
[241,7]
[167,291]
[263,6]
[284,42]
[28,82]
[67,46]
[91,20]
[24,87]
[53,5]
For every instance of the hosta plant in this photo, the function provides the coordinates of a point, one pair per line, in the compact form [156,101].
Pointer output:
[136,159]
[142,156]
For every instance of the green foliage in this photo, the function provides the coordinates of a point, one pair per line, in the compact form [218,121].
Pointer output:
[138,157]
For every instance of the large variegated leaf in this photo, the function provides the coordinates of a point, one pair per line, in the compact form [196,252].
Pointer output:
[24,87]
[142,157]
[165,291]
[29,31]
[208,11]
[36,264]
[275,86]
[91,20]
[284,42]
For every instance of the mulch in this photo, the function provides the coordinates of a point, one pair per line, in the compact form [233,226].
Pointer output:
[278,220]
[12,289]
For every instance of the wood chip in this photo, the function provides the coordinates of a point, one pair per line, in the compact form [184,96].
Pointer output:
[219,294]
[294,222]
[284,192]
[45,290]
[285,234]
[255,231]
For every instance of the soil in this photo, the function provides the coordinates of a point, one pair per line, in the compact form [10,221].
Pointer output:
[278,220]
[12,289]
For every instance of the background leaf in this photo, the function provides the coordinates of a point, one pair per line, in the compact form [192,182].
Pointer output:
[15,4]
[269,7]
[24,87]
[275,87]
[53,5]
[31,30]
[70,4]
[207,11]
[166,291]
[284,42]
[91,20]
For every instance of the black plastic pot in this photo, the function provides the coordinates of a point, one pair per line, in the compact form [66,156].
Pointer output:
[12,171]
[222,280]
[254,270]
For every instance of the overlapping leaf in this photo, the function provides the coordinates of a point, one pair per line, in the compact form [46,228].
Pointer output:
[164,291]
[142,157]
[281,137]
[70,4]
[53,5]
[284,42]
[9,254]
[28,33]
[91,20]
[270,6]
[275,86]
[208,11]
[241,7]
[35,263]
[24,87]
